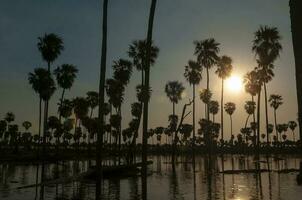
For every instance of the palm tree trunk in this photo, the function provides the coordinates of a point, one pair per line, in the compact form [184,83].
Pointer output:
[221,109]
[146,100]
[40,119]
[194,117]
[254,120]
[246,121]
[258,121]
[275,116]
[208,88]
[266,113]
[61,103]
[119,136]
[296,17]
[173,141]
[231,125]
[101,130]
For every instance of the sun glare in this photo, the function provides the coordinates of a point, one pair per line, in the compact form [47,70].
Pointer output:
[234,83]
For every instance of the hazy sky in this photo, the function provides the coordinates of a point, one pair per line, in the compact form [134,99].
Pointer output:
[177,24]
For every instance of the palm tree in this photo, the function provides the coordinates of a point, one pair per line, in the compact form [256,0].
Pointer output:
[93,101]
[9,117]
[214,108]
[50,47]
[230,108]
[3,128]
[101,128]
[26,125]
[296,15]
[65,75]
[275,101]
[174,91]
[292,125]
[205,96]
[193,75]
[146,100]
[224,70]
[206,52]
[253,87]
[138,52]
[267,47]
[249,107]
[80,110]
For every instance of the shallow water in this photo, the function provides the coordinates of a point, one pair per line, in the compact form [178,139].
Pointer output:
[205,183]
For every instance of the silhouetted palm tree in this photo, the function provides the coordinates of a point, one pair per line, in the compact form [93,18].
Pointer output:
[214,108]
[224,70]
[206,52]
[230,108]
[80,109]
[174,91]
[292,125]
[93,101]
[65,75]
[193,75]
[267,47]
[101,128]
[9,117]
[44,85]
[146,87]
[275,101]
[26,125]
[205,96]
[296,16]
[50,47]
[249,107]
[3,128]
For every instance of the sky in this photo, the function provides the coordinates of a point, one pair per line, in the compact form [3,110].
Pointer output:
[177,24]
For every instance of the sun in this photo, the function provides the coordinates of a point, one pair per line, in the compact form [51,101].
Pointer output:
[234,83]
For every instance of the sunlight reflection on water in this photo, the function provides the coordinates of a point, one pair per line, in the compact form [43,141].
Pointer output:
[206,183]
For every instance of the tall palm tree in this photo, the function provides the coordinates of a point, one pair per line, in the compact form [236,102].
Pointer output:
[205,96]
[267,47]
[138,52]
[224,70]
[253,87]
[193,75]
[101,128]
[296,16]
[206,52]
[65,75]
[275,101]
[292,125]
[43,84]
[93,101]
[146,100]
[174,91]
[230,108]
[214,108]
[249,107]
[50,47]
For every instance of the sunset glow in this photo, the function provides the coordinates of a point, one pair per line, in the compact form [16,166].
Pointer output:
[234,83]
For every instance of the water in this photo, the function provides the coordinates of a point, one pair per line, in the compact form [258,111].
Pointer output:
[205,183]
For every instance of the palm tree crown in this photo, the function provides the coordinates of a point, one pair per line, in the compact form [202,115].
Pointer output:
[65,75]
[50,47]
[138,50]
[250,107]
[266,45]
[224,67]
[174,91]
[206,51]
[193,72]
[275,101]
[230,107]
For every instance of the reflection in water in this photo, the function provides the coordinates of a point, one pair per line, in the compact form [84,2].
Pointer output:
[194,178]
